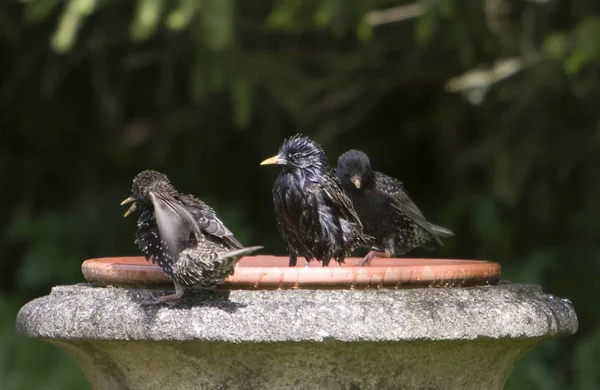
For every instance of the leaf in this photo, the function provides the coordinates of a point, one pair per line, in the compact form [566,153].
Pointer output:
[577,60]
[555,45]
[325,14]
[364,32]
[283,17]
[425,27]
[71,20]
[218,19]
[446,9]
[181,16]
[145,22]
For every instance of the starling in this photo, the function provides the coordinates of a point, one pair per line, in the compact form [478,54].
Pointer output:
[385,209]
[182,234]
[314,216]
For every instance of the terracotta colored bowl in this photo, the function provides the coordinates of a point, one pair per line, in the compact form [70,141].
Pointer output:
[272,272]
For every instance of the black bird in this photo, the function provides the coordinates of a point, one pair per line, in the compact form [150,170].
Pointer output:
[314,215]
[182,234]
[385,209]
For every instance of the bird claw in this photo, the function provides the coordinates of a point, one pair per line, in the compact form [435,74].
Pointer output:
[155,299]
[370,256]
[367,260]
[169,299]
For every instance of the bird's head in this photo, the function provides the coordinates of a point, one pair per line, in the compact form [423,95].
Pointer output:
[354,169]
[299,152]
[144,183]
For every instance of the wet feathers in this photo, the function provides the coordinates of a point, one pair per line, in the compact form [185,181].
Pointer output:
[384,207]
[182,234]
[314,216]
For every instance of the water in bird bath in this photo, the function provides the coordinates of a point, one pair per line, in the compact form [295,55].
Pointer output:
[265,272]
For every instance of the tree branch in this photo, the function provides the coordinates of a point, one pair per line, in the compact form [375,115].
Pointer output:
[394,14]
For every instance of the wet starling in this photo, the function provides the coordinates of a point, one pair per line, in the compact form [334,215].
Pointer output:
[182,234]
[385,209]
[314,215]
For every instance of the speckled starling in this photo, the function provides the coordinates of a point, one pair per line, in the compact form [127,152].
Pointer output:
[385,209]
[182,234]
[314,215]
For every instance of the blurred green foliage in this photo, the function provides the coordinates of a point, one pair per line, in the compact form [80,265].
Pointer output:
[488,111]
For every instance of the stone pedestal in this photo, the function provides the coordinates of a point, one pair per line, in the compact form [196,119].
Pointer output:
[425,338]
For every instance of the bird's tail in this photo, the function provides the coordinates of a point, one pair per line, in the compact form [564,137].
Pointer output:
[439,231]
[238,253]
[227,261]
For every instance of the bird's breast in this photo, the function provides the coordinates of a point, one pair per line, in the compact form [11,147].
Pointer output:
[291,197]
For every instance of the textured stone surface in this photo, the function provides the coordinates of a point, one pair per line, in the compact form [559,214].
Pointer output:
[504,311]
[464,365]
[431,338]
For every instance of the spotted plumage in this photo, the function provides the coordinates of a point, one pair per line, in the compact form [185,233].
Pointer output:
[314,216]
[385,209]
[182,235]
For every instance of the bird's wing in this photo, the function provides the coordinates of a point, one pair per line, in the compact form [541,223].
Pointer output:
[287,214]
[283,223]
[207,221]
[332,187]
[401,201]
[213,226]
[175,223]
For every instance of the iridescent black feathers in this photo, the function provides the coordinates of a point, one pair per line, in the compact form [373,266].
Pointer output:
[385,209]
[314,216]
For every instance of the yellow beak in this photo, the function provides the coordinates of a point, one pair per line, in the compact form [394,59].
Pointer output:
[128,200]
[356,181]
[132,208]
[273,160]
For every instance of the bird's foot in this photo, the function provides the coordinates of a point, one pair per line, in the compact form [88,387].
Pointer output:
[171,298]
[370,256]
[293,260]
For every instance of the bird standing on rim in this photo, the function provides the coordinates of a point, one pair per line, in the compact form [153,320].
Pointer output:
[385,209]
[314,215]
[182,234]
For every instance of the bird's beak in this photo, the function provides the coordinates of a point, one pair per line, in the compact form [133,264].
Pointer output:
[274,160]
[356,181]
[132,208]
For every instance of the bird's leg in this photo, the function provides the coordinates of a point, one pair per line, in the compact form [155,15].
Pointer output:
[168,298]
[293,260]
[371,255]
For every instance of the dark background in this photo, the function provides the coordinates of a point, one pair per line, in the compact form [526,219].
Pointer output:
[488,111]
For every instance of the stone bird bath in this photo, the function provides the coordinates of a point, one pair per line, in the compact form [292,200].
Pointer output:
[397,324]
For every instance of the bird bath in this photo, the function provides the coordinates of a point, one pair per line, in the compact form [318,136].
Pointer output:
[273,272]
[399,323]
